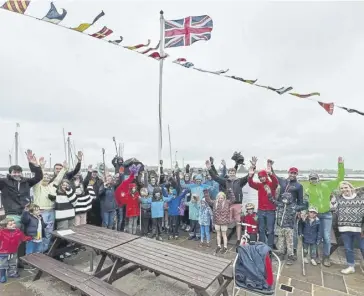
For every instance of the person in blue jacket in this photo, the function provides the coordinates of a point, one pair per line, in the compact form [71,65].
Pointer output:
[173,212]
[214,189]
[157,210]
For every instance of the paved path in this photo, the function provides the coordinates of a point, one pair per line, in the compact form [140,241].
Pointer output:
[319,281]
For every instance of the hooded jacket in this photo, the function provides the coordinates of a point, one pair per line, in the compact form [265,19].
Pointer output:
[310,230]
[131,200]
[265,190]
[15,195]
[30,223]
[122,190]
[11,239]
[286,210]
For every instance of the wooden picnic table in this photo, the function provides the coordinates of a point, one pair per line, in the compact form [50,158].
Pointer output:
[98,238]
[196,269]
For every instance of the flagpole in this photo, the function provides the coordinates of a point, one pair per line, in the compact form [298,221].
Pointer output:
[161,53]
[170,146]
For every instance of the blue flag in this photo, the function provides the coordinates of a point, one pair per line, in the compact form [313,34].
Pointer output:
[53,16]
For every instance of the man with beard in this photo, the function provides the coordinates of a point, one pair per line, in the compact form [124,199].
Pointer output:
[58,167]
[235,185]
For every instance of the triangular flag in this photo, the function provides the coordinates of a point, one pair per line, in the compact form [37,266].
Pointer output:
[329,107]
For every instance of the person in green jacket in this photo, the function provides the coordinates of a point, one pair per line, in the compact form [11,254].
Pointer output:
[319,197]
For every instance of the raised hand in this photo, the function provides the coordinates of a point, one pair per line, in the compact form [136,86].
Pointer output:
[223,162]
[42,162]
[208,164]
[269,169]
[65,165]
[270,162]
[79,156]
[251,171]
[340,160]
[29,154]
[254,161]
[211,160]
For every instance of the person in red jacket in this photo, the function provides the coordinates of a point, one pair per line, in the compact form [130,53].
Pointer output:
[251,218]
[131,200]
[266,209]
[10,239]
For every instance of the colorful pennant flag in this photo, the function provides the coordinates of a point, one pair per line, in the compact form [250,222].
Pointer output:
[212,72]
[243,80]
[281,90]
[102,33]
[16,6]
[118,41]
[304,96]
[351,110]
[186,31]
[134,47]
[53,16]
[84,26]
[183,62]
[329,107]
[151,48]
[155,55]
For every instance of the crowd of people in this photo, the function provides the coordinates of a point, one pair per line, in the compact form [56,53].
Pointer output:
[144,202]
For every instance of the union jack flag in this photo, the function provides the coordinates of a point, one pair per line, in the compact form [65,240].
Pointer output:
[184,32]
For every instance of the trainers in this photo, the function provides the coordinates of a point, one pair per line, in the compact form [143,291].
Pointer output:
[318,260]
[218,249]
[188,228]
[191,237]
[66,254]
[326,262]
[176,237]
[348,270]
[208,245]
[305,260]
[201,244]
[14,275]
[313,262]
[223,250]
[170,237]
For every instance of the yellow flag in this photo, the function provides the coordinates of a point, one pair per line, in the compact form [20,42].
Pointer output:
[82,27]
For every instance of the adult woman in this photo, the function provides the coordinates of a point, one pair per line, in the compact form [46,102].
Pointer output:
[350,211]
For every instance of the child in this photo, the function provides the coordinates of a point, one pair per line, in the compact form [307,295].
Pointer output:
[286,219]
[131,199]
[309,229]
[146,212]
[251,218]
[10,239]
[64,202]
[221,210]
[108,202]
[205,217]
[174,213]
[34,227]
[194,208]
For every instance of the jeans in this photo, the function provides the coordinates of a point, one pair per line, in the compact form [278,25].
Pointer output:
[173,225]
[326,225]
[349,239]
[195,229]
[33,247]
[205,231]
[313,250]
[145,221]
[157,226]
[119,218]
[266,221]
[133,224]
[108,219]
[48,218]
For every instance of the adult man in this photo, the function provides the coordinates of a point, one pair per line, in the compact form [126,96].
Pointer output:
[58,167]
[236,185]
[319,197]
[15,189]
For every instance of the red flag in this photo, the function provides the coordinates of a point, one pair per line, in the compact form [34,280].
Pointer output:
[69,133]
[329,107]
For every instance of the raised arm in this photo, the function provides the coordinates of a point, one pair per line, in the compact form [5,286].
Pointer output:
[34,168]
[340,175]
[251,182]
[60,176]
[214,176]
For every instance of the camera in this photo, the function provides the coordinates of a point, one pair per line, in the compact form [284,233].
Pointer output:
[238,158]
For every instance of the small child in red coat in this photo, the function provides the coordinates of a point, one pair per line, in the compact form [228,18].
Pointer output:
[251,218]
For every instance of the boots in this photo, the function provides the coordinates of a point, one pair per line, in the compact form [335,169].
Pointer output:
[3,278]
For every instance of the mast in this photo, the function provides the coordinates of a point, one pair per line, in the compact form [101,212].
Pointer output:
[170,147]
[17,145]
[65,148]
[161,53]
[10,162]
[50,162]
[69,148]
[119,149]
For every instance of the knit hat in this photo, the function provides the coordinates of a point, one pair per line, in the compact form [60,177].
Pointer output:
[263,173]
[313,209]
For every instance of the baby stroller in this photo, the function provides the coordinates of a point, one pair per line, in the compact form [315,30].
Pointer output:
[252,268]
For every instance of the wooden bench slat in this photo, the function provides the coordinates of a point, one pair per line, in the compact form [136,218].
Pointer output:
[175,260]
[95,286]
[162,268]
[210,259]
[228,272]
[57,269]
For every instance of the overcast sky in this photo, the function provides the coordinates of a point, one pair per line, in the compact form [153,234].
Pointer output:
[52,78]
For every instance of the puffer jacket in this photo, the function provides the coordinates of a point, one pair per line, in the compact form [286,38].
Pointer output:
[10,239]
[30,223]
[286,210]
[253,269]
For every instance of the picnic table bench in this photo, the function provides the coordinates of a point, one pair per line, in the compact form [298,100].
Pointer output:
[87,284]
[196,269]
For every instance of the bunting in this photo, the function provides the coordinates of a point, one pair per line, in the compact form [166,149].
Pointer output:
[134,47]
[102,33]
[329,107]
[53,16]
[117,41]
[84,26]
[306,95]
[181,32]
[16,6]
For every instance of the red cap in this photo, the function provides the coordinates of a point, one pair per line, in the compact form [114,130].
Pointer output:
[293,170]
